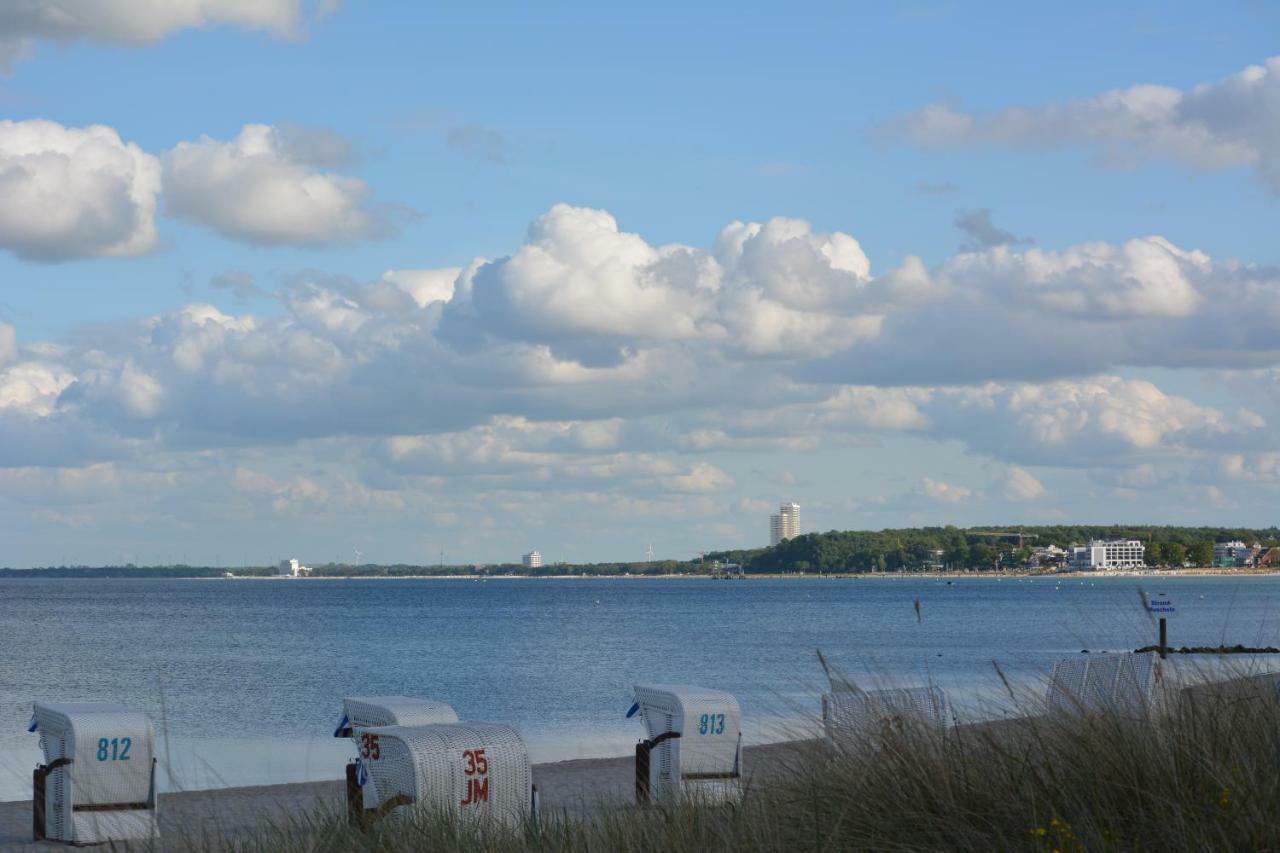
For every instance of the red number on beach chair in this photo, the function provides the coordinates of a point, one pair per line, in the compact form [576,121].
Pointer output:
[476,765]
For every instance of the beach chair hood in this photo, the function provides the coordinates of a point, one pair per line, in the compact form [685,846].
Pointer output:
[472,770]
[98,779]
[695,735]
[361,712]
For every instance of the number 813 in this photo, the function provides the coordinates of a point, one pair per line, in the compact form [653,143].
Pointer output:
[711,724]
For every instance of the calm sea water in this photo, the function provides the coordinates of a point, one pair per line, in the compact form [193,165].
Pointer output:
[244,678]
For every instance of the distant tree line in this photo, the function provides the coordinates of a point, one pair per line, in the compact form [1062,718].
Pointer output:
[343,570]
[654,567]
[131,571]
[898,550]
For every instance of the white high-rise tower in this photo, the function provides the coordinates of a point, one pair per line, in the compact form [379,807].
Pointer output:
[786,524]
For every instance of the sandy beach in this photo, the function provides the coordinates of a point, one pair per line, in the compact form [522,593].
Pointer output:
[196,819]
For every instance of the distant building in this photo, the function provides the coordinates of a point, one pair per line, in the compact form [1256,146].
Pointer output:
[784,525]
[726,570]
[532,560]
[292,569]
[1237,554]
[1050,555]
[1102,555]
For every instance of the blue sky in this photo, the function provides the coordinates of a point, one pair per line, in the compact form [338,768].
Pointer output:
[148,412]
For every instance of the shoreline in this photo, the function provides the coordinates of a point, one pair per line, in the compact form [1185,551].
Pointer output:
[35,574]
[577,787]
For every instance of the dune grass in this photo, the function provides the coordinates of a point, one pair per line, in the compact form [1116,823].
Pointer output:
[1202,774]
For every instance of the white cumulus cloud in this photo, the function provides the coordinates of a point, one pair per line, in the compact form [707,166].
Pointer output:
[1040,313]
[942,492]
[8,344]
[132,22]
[582,285]
[1022,485]
[1079,422]
[32,388]
[425,286]
[70,192]
[262,187]
[1228,123]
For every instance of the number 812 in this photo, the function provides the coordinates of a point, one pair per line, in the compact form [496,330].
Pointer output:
[116,749]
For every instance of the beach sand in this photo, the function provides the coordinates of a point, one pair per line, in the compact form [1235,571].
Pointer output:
[578,788]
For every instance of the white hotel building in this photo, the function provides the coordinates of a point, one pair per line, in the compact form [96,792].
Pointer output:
[532,560]
[1108,554]
[784,525]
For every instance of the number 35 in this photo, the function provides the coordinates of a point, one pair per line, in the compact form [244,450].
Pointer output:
[476,762]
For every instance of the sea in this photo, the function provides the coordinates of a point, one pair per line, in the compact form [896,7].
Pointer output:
[244,678]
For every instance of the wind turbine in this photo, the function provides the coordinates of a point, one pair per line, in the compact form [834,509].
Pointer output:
[648,553]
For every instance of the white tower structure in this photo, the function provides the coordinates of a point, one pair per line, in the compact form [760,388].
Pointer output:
[291,568]
[532,560]
[786,524]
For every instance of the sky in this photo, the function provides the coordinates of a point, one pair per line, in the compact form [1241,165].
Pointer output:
[410,282]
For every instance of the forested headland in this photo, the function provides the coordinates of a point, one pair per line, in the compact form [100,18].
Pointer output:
[978,548]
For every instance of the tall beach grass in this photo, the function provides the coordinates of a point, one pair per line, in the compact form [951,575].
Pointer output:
[1201,771]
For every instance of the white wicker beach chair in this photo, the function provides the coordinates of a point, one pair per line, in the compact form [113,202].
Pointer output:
[363,712]
[1118,684]
[865,717]
[1221,688]
[694,746]
[473,770]
[98,780]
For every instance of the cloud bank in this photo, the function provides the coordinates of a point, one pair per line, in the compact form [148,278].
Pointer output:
[644,348]
[628,380]
[1229,123]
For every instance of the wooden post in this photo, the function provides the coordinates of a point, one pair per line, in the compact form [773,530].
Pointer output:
[644,761]
[355,798]
[642,773]
[1164,638]
[37,804]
